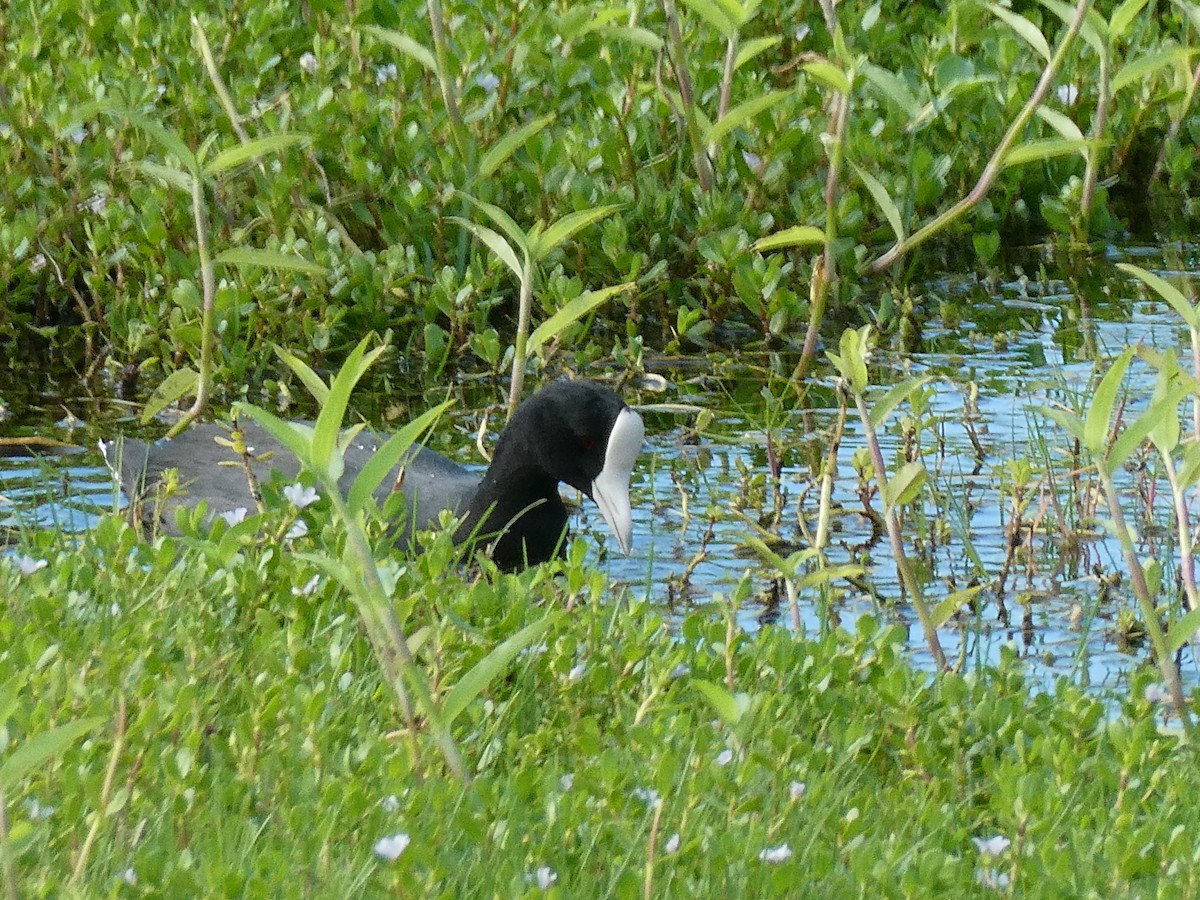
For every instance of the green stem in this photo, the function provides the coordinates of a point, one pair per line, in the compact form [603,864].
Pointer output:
[678,58]
[1099,125]
[208,314]
[6,863]
[521,348]
[437,24]
[1141,590]
[911,583]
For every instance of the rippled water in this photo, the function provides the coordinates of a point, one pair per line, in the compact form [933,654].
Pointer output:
[1018,344]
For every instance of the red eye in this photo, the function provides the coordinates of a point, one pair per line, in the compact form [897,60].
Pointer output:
[587,442]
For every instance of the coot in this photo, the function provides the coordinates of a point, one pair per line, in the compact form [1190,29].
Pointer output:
[576,432]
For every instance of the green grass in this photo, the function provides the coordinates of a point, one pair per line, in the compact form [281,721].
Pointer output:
[262,756]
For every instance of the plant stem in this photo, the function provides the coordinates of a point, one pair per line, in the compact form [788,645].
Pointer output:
[105,793]
[994,165]
[731,48]
[1141,590]
[1099,125]
[437,24]
[521,345]
[214,76]
[208,310]
[678,58]
[907,575]
[6,863]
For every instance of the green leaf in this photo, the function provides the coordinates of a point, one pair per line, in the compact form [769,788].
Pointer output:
[1094,29]
[1046,148]
[572,311]
[172,176]
[1146,64]
[483,672]
[499,152]
[296,436]
[944,611]
[633,34]
[1123,17]
[894,88]
[268,259]
[1189,472]
[753,48]
[567,227]
[728,707]
[715,15]
[495,243]
[42,747]
[1070,422]
[1025,29]
[1061,123]
[405,45]
[829,75]
[333,411]
[1189,313]
[388,456]
[338,571]
[852,359]
[883,200]
[796,236]
[180,383]
[1131,438]
[318,388]
[503,221]
[768,555]
[905,485]
[1183,629]
[896,395]
[1095,429]
[167,140]
[742,113]
[252,150]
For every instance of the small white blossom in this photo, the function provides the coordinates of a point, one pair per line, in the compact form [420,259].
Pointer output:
[129,876]
[297,531]
[545,877]
[390,848]
[390,803]
[159,90]
[796,790]
[776,855]
[680,671]
[37,812]
[672,844]
[992,846]
[566,782]
[79,135]
[27,565]
[576,672]
[725,757]
[308,63]
[1068,94]
[488,82]
[96,204]
[307,589]
[753,161]
[1156,693]
[801,33]
[37,263]
[647,794]
[234,516]
[386,73]
[300,495]
[993,878]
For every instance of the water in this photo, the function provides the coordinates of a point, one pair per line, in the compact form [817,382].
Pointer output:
[1013,347]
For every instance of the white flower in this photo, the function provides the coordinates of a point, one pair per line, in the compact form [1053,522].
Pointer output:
[299,530]
[753,161]
[37,812]
[391,847]
[775,855]
[79,135]
[545,877]
[159,90]
[390,803]
[97,203]
[1156,693]
[129,876]
[386,73]
[576,672]
[672,844]
[308,588]
[680,671]
[1068,94]
[801,33]
[37,263]
[234,516]
[725,757]
[27,565]
[797,790]
[993,878]
[301,496]
[648,794]
[308,63]
[992,846]
[488,82]
[566,782]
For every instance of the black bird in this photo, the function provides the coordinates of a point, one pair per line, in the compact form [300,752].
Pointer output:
[576,432]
